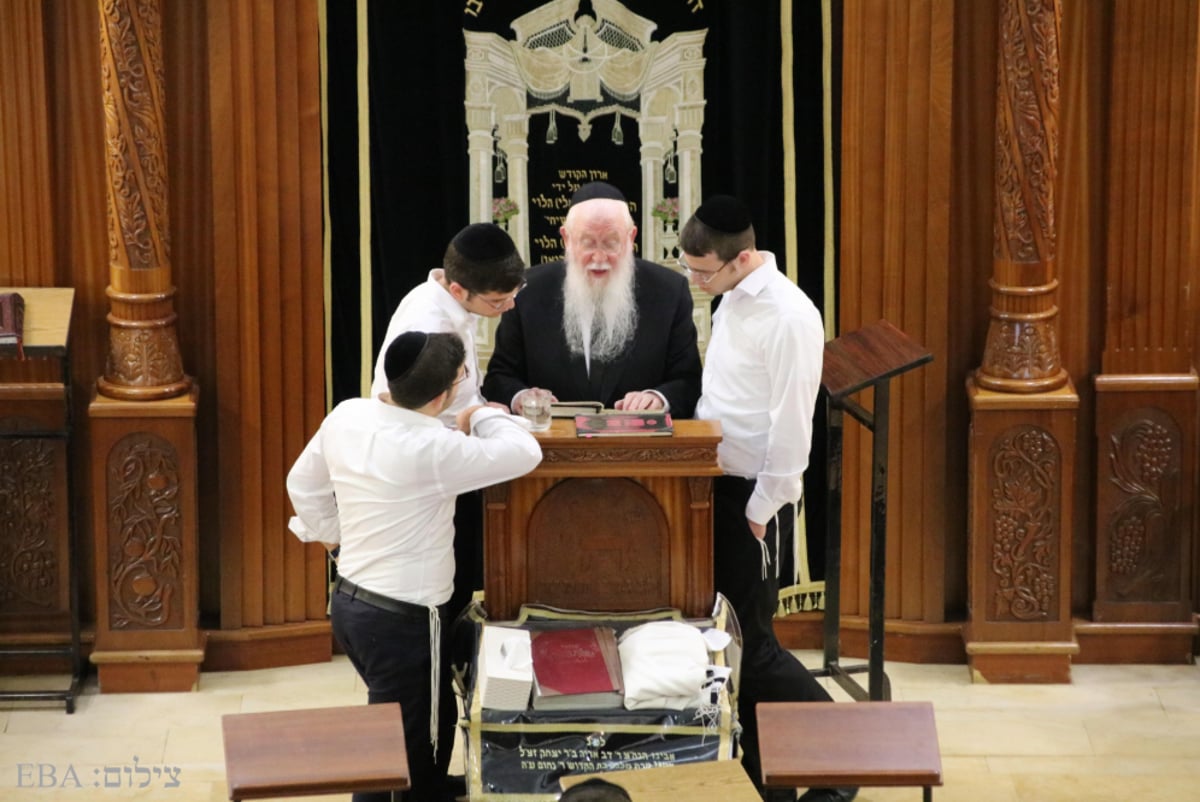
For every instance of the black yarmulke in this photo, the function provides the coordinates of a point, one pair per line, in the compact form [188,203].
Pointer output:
[403,353]
[724,213]
[483,242]
[597,190]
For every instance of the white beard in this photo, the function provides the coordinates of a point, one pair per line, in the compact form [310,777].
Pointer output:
[610,306]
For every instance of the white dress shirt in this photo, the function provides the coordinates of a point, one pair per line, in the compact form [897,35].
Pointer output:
[381,481]
[430,307]
[762,372]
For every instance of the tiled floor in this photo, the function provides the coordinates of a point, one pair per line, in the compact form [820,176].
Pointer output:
[1115,733]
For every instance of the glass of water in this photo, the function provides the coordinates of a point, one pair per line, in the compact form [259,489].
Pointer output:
[535,407]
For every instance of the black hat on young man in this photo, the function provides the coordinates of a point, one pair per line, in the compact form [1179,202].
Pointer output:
[403,353]
[724,213]
[484,242]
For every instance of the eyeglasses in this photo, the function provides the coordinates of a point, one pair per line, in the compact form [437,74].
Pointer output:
[703,276]
[609,245]
[466,374]
[503,302]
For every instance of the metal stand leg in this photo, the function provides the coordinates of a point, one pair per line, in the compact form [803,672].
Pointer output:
[879,688]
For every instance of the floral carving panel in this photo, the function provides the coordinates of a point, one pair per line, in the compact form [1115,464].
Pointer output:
[1142,529]
[145,535]
[1023,519]
[29,561]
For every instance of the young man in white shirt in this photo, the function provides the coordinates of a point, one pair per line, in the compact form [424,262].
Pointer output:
[762,372]
[480,276]
[380,478]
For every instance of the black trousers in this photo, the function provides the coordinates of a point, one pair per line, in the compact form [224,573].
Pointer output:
[468,549]
[769,672]
[390,651]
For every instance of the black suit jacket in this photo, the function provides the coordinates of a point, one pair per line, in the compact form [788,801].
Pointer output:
[531,349]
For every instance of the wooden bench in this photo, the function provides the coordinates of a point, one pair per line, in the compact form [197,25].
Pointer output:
[836,744]
[326,750]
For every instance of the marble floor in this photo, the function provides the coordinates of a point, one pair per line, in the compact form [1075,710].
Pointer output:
[1115,733]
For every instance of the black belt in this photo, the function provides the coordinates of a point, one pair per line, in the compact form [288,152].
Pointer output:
[348,588]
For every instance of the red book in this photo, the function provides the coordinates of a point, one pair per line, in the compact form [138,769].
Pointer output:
[576,669]
[617,423]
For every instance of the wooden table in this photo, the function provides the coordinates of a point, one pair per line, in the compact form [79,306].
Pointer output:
[718,779]
[319,751]
[832,744]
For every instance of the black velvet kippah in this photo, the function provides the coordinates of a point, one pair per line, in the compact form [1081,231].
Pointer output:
[597,190]
[724,213]
[403,353]
[483,242]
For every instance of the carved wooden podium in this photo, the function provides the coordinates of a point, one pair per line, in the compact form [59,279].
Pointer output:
[609,523]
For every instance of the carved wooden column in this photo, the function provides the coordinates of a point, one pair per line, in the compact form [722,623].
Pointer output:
[143,440]
[1023,406]
[1146,393]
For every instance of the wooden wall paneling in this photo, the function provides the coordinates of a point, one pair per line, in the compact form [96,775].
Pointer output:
[311,302]
[1147,392]
[267,234]
[226,216]
[26,231]
[863,69]
[973,111]
[270,159]
[906,295]
[1081,197]
[250,101]
[895,264]
[1152,182]
[292,606]
[80,231]
[190,201]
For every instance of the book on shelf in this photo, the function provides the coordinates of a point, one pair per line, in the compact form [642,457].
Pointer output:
[12,320]
[576,669]
[620,423]
[569,409]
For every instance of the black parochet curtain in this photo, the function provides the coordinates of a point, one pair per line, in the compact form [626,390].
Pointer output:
[418,150]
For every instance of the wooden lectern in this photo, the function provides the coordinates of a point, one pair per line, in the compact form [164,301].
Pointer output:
[39,541]
[606,523]
[864,358]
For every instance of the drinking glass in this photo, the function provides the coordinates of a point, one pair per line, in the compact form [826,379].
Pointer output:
[535,407]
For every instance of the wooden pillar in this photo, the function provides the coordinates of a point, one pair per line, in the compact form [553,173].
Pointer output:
[1146,392]
[1023,405]
[143,417]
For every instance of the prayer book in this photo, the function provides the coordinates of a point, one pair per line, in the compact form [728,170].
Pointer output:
[576,669]
[620,423]
[12,320]
[569,409]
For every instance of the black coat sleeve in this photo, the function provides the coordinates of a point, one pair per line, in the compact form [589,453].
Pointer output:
[681,373]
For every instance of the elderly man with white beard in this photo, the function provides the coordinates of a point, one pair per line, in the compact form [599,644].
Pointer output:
[600,325]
